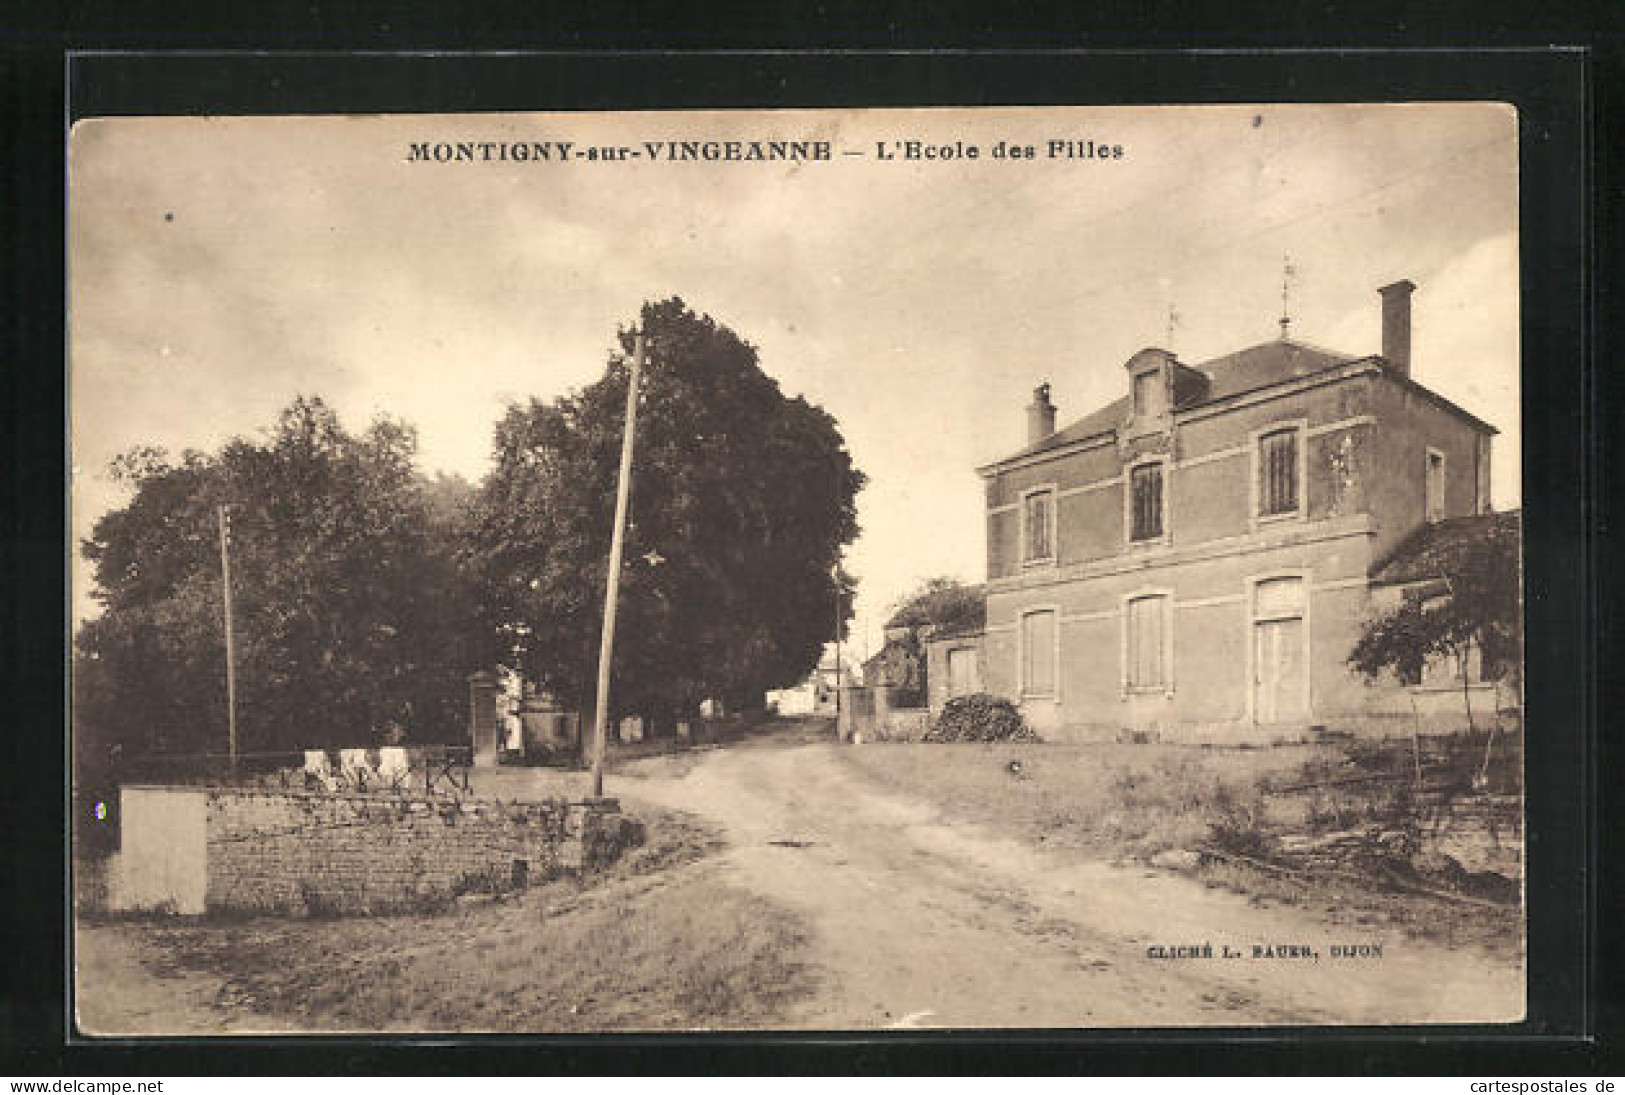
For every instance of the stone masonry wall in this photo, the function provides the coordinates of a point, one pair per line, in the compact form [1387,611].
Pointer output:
[310,853]
[871,714]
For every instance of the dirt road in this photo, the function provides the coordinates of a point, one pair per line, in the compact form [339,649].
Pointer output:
[919,922]
[120,994]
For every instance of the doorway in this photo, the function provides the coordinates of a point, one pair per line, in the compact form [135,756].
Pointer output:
[1280,652]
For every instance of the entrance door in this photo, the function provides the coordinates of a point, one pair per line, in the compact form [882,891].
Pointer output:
[1278,689]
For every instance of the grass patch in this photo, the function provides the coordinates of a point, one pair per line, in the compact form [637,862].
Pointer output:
[1112,801]
[1129,802]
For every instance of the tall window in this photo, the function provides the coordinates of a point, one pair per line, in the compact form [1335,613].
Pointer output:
[1145,502]
[1278,473]
[1147,667]
[1038,517]
[1435,486]
[1038,654]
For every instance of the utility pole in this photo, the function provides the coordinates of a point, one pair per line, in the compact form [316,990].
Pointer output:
[231,642]
[839,682]
[606,645]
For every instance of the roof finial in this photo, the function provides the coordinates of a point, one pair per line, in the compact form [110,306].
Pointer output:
[1288,273]
[1173,322]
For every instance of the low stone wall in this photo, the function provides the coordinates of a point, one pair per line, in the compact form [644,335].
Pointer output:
[303,853]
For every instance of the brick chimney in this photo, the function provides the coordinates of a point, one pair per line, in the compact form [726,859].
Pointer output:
[1040,415]
[1396,325]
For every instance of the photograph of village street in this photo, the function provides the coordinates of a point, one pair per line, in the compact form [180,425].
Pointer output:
[849,570]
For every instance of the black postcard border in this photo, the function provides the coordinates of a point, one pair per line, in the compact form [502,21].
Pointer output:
[1562,401]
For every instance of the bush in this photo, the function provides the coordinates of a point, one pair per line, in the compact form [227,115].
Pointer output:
[1237,819]
[979,717]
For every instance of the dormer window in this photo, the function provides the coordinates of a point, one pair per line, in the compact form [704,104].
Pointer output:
[1148,394]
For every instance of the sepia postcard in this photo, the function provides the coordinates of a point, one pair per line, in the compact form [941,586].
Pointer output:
[797,570]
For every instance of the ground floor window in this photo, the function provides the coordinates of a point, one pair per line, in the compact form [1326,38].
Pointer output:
[1038,653]
[1146,667]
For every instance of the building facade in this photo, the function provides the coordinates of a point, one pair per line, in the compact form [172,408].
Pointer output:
[1194,560]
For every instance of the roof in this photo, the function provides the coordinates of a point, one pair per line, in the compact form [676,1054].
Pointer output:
[1417,557]
[1243,371]
[1265,364]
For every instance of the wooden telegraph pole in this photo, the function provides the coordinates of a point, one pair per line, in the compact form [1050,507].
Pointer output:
[606,645]
[838,680]
[231,642]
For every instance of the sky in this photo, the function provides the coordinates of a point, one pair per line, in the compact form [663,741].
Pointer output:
[220,266]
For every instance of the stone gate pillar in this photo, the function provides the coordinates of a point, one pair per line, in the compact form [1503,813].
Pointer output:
[482,717]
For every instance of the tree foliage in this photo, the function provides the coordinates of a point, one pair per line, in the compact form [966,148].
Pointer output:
[741,501]
[1471,600]
[351,616]
[951,606]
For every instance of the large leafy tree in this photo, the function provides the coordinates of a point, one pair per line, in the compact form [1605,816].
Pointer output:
[742,499]
[1468,600]
[352,619]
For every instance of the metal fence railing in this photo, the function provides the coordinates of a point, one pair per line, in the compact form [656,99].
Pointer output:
[426,770]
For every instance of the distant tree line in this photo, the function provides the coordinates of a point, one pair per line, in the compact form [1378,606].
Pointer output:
[365,592]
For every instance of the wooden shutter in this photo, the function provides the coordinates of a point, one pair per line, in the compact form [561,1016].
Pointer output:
[1278,473]
[1146,518]
[1038,525]
[1038,653]
[1146,643]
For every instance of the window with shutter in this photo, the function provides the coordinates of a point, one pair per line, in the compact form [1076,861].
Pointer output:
[1278,473]
[1147,644]
[1038,654]
[1145,505]
[1039,520]
[1435,486]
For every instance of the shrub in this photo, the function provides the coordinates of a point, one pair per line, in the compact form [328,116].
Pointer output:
[1237,814]
[979,717]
